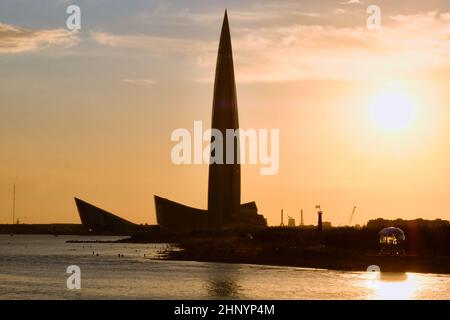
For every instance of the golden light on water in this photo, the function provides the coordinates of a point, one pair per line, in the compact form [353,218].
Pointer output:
[393,286]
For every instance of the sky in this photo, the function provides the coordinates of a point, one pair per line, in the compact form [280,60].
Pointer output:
[362,113]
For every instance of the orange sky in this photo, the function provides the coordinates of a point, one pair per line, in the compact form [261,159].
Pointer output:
[90,114]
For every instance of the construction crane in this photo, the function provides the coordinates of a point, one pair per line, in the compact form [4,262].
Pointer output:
[351,216]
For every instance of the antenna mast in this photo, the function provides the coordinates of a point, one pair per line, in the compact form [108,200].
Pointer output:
[14,204]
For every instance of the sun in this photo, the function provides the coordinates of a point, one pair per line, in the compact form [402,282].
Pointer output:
[393,111]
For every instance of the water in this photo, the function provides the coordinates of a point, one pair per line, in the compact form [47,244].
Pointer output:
[34,267]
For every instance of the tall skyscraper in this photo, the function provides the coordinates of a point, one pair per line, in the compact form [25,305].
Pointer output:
[224,186]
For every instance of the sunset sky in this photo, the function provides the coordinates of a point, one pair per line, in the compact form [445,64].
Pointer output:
[363,114]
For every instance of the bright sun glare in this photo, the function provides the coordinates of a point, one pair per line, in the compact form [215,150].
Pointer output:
[392,111]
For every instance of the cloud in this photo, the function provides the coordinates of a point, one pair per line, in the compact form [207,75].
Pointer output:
[256,13]
[248,16]
[351,2]
[153,44]
[14,39]
[405,43]
[141,82]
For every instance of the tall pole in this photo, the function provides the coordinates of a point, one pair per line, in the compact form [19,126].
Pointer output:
[14,203]
[319,218]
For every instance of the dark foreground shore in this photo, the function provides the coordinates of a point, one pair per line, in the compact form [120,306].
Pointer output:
[427,248]
[238,250]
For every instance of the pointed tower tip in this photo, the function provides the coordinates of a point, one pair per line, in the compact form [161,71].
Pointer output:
[225,38]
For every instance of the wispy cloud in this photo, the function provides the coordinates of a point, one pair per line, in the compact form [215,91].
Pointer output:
[153,44]
[247,16]
[260,13]
[141,82]
[15,39]
[279,53]
[351,2]
[406,43]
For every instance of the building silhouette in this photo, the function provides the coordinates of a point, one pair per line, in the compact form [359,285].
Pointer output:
[97,220]
[224,181]
[224,209]
[224,185]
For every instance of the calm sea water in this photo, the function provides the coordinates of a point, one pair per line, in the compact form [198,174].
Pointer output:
[34,267]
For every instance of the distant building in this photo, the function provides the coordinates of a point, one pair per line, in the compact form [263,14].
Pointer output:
[97,220]
[326,225]
[180,218]
[291,222]
[224,186]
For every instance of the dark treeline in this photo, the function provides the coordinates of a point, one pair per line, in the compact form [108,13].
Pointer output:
[432,236]
[427,247]
[400,223]
[422,236]
[53,228]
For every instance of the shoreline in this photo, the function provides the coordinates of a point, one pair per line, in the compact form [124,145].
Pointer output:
[310,258]
[279,252]
[313,258]
[316,257]
[334,249]
[386,264]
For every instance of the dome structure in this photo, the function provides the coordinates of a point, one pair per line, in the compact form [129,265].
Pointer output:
[391,240]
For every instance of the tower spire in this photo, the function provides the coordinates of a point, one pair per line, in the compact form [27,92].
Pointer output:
[224,185]
[225,37]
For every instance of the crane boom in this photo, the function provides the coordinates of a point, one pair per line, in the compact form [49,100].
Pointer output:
[351,216]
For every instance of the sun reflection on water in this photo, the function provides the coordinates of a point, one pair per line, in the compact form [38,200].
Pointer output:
[393,286]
